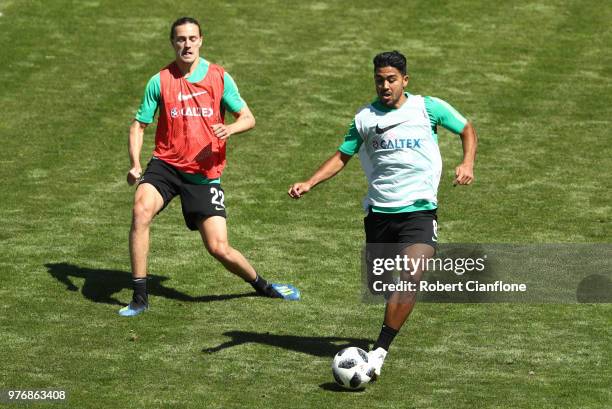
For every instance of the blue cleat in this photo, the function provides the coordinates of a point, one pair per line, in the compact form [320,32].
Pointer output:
[133,309]
[286,292]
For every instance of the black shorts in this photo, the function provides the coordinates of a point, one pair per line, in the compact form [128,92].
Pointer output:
[409,227]
[197,201]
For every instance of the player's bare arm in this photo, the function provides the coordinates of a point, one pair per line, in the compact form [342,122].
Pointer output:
[326,171]
[464,173]
[244,120]
[134,147]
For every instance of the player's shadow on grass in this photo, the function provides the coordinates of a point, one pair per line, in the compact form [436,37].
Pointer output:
[100,285]
[317,346]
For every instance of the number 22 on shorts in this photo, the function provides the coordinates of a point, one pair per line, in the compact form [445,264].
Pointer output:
[218,198]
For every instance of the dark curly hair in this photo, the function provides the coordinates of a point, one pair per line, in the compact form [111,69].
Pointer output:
[390,59]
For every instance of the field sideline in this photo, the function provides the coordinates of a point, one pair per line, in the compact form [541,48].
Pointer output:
[534,77]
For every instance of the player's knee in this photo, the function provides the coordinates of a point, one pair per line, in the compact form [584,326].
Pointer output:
[219,250]
[142,213]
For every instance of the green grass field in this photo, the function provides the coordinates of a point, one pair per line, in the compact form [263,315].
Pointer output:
[534,77]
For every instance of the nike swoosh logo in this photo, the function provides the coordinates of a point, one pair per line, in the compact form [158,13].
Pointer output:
[185,97]
[380,130]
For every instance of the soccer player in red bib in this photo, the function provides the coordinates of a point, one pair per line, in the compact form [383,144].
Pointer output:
[192,96]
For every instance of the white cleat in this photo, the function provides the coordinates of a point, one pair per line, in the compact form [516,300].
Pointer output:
[376,358]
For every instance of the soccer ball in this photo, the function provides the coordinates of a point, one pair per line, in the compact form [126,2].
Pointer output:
[351,369]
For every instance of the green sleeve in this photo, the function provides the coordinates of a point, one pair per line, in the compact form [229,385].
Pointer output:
[442,113]
[352,141]
[150,100]
[231,97]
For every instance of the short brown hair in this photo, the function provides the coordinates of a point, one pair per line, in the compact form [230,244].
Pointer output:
[184,20]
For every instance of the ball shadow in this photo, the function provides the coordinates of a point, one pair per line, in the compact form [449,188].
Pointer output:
[334,387]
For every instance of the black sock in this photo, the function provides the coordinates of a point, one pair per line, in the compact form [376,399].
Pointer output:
[262,287]
[140,291]
[386,337]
